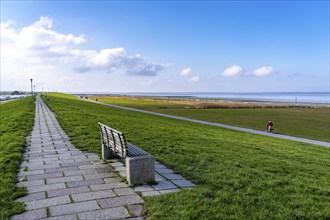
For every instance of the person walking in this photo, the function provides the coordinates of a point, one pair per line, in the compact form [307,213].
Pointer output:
[270,126]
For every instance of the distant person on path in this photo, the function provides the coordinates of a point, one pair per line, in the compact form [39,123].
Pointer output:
[269,126]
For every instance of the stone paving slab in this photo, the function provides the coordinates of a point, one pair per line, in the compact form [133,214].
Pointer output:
[124,191]
[30,215]
[159,177]
[32,183]
[112,213]
[84,183]
[136,209]
[62,217]
[183,183]
[64,179]
[33,189]
[79,172]
[113,180]
[99,175]
[32,197]
[43,203]
[164,171]
[120,201]
[103,170]
[93,195]
[44,176]
[164,185]
[73,208]
[108,186]
[172,176]
[67,191]
[143,188]
[151,193]
[64,169]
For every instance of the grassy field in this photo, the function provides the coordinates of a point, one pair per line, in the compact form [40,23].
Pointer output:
[16,123]
[313,123]
[238,175]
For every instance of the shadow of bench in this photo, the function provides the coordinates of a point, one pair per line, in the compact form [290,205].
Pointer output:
[140,165]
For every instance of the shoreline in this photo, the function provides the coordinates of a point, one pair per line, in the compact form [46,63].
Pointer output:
[217,102]
[291,98]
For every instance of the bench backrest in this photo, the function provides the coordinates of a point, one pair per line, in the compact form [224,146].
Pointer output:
[113,139]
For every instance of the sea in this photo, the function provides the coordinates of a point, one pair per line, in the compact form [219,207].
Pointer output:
[4,98]
[271,97]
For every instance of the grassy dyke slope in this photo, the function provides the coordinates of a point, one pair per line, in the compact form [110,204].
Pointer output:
[239,175]
[16,123]
[310,123]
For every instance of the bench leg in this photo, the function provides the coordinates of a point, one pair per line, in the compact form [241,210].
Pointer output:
[106,153]
[140,169]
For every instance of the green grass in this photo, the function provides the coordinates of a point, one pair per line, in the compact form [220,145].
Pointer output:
[16,119]
[239,175]
[312,123]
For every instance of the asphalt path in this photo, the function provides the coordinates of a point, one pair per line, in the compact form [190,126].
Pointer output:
[287,137]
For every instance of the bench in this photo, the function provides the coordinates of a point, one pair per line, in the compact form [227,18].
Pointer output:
[140,165]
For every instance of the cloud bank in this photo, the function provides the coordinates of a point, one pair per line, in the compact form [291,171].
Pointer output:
[39,44]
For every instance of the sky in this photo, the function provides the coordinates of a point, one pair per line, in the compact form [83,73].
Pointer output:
[165,46]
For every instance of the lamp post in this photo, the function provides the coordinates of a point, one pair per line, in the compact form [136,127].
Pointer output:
[31,87]
[34,89]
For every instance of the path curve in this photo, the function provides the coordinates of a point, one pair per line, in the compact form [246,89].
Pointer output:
[65,183]
[287,137]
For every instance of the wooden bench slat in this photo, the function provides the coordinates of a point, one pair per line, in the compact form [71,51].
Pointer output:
[114,140]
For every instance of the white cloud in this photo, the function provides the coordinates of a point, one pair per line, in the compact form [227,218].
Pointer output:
[233,71]
[194,79]
[116,58]
[107,57]
[38,44]
[185,71]
[264,71]
[236,70]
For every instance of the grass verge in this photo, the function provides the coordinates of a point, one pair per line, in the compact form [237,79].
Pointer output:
[239,175]
[16,123]
[312,123]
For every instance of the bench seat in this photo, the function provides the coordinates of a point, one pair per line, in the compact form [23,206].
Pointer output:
[140,165]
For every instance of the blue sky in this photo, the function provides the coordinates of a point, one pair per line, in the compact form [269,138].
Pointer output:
[223,46]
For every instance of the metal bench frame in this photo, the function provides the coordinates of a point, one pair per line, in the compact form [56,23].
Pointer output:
[139,164]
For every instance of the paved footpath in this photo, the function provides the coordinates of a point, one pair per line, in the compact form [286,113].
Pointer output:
[287,137]
[65,183]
